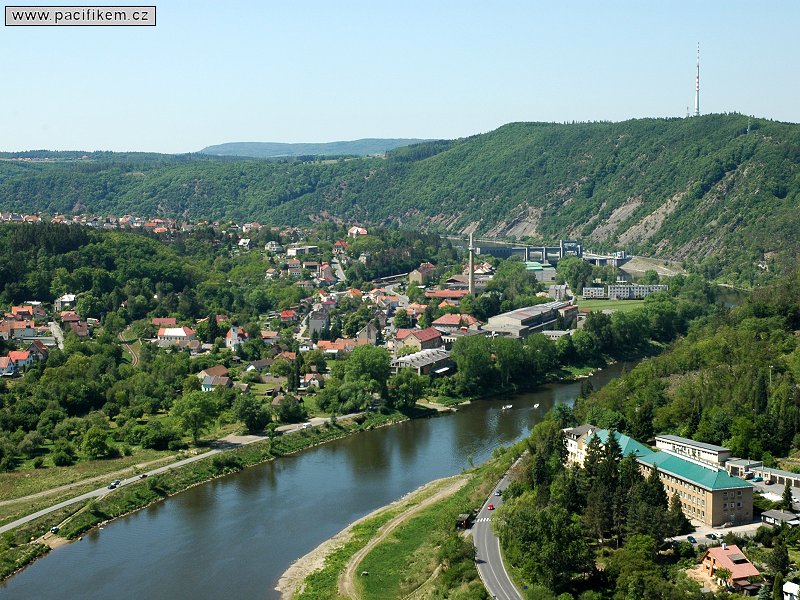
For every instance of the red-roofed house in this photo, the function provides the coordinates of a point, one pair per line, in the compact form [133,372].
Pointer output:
[165,321]
[288,316]
[356,231]
[415,309]
[730,557]
[451,322]
[38,350]
[7,367]
[22,312]
[79,328]
[422,339]
[69,316]
[20,358]
[269,337]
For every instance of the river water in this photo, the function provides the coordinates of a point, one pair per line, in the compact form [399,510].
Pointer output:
[233,537]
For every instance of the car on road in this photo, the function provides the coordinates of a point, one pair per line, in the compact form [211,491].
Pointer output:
[691,540]
[54,530]
[757,479]
[711,536]
[114,484]
[498,492]
[143,475]
[306,425]
[490,507]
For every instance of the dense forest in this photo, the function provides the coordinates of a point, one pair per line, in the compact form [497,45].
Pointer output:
[718,190]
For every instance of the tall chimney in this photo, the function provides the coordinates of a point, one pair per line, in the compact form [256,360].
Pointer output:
[471,267]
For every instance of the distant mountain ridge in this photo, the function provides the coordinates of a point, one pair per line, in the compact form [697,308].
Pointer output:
[363,147]
[721,190]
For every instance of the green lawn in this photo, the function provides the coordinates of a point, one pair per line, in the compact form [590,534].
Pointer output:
[621,305]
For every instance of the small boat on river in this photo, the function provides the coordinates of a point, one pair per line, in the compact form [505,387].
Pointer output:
[506,406]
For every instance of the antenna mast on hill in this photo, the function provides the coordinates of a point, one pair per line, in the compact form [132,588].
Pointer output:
[697,85]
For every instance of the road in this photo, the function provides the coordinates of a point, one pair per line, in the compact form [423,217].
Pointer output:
[337,269]
[57,333]
[488,558]
[227,443]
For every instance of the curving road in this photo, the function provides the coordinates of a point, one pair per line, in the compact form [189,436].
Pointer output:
[488,558]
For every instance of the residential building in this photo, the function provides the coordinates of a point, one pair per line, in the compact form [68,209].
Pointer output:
[593,292]
[356,231]
[215,371]
[269,337]
[38,350]
[420,339]
[7,367]
[633,291]
[319,322]
[20,358]
[79,328]
[69,316]
[288,316]
[701,451]
[422,274]
[273,246]
[780,517]
[369,333]
[576,440]
[175,334]
[165,321]
[210,383]
[64,302]
[707,492]
[296,250]
[454,296]
[731,558]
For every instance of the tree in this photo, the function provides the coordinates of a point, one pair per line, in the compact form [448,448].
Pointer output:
[370,364]
[281,367]
[778,559]
[195,412]
[405,389]
[401,319]
[777,587]
[677,523]
[723,574]
[251,411]
[575,271]
[95,443]
[786,499]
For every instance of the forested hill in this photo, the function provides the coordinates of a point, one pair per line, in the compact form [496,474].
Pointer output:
[363,147]
[722,186]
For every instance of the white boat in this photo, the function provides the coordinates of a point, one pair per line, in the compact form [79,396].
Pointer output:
[535,406]
[506,406]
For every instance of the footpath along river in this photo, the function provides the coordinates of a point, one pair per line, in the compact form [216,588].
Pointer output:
[233,537]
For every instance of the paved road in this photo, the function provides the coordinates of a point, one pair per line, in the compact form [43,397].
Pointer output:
[337,269]
[57,333]
[487,552]
[223,445]
[228,443]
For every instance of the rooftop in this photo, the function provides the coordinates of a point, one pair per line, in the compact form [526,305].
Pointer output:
[706,477]
[688,442]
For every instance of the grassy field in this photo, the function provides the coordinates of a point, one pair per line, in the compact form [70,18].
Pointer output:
[27,480]
[404,562]
[620,305]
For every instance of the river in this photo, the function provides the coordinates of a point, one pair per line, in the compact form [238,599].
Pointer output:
[233,537]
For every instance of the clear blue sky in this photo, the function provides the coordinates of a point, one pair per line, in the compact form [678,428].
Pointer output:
[315,71]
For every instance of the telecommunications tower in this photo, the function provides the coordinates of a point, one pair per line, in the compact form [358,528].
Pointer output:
[697,85]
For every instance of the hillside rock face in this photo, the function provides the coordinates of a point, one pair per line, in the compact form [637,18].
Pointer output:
[718,185]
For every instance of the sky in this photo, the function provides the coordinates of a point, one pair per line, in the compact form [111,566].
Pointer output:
[329,70]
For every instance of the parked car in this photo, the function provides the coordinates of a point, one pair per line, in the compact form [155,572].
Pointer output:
[54,530]
[758,478]
[711,536]
[691,539]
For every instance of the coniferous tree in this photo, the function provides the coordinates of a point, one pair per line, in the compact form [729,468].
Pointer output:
[786,499]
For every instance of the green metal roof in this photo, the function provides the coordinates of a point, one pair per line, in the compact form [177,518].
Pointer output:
[708,478]
[627,444]
[533,266]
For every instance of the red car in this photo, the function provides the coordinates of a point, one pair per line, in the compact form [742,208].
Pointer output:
[490,507]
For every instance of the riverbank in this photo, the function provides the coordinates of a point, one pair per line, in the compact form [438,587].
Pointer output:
[384,543]
[21,546]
